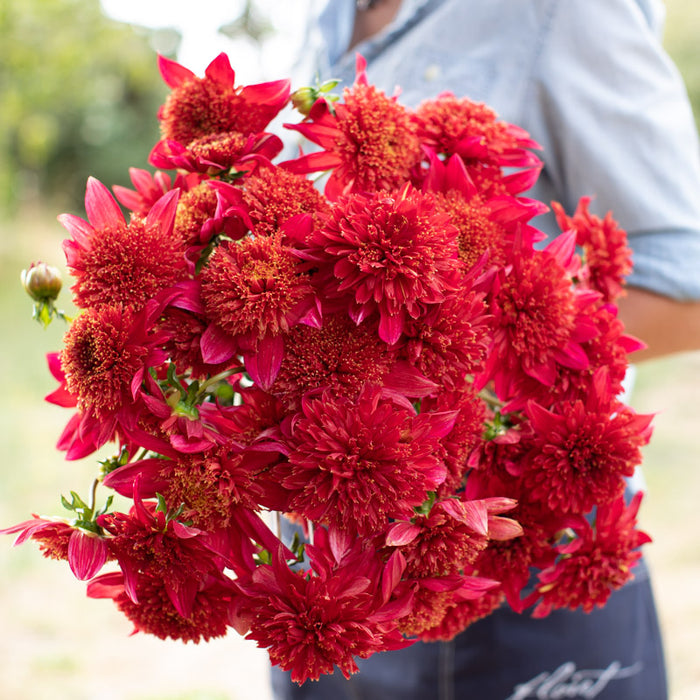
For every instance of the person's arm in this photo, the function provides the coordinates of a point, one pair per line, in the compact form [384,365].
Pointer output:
[665,325]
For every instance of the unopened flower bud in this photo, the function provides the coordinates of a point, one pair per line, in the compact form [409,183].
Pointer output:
[303,99]
[42,282]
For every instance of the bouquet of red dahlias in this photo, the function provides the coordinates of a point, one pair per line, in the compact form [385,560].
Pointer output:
[389,360]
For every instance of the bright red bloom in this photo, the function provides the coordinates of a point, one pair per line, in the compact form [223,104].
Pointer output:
[146,543]
[353,464]
[451,340]
[315,620]
[368,141]
[386,254]
[539,320]
[116,263]
[274,195]
[445,540]
[200,107]
[607,257]
[581,452]
[450,125]
[156,614]
[599,560]
[215,154]
[487,225]
[106,353]
[340,356]
[84,551]
[255,288]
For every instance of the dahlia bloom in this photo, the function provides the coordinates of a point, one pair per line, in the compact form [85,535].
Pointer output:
[200,107]
[156,614]
[599,560]
[390,254]
[369,142]
[580,453]
[85,552]
[311,621]
[607,257]
[106,354]
[457,126]
[541,320]
[118,263]
[253,292]
[353,464]
[146,542]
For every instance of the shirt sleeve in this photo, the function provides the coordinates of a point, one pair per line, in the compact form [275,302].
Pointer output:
[613,116]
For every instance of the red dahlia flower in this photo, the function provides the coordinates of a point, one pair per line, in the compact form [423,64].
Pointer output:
[449,125]
[386,254]
[156,614]
[253,291]
[118,263]
[595,563]
[146,542]
[84,551]
[312,621]
[353,464]
[106,353]
[608,259]
[368,141]
[580,453]
[200,107]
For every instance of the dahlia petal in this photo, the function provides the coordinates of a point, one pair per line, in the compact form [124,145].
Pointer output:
[80,229]
[504,528]
[401,533]
[274,94]
[572,356]
[391,576]
[391,326]
[216,345]
[101,207]
[108,585]
[128,198]
[406,379]
[147,470]
[61,397]
[189,446]
[472,513]
[522,181]
[162,213]
[312,162]
[183,596]
[173,73]
[220,71]
[86,554]
[264,365]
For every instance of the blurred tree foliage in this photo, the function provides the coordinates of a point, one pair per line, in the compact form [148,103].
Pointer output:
[78,96]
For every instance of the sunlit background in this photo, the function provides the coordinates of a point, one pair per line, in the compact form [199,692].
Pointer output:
[79,90]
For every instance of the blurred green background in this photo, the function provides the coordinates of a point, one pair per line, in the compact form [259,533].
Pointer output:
[78,97]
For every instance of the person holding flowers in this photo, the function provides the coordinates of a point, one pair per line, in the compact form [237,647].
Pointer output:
[375,339]
[590,82]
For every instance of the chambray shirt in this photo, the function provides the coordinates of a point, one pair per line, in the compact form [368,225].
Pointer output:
[588,79]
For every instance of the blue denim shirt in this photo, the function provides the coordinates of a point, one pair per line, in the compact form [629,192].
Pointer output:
[588,79]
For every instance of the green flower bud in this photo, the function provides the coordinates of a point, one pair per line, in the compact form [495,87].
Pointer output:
[303,99]
[42,282]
